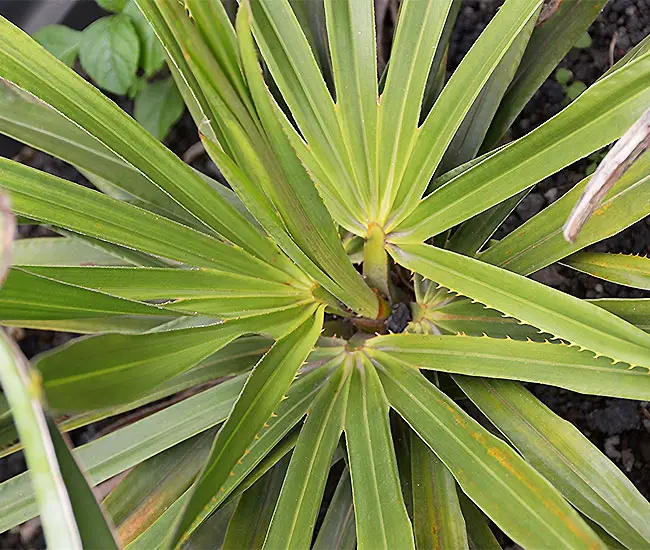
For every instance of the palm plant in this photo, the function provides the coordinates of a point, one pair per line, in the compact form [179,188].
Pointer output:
[259,312]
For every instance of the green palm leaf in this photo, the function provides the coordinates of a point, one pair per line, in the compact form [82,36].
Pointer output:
[533,512]
[380,514]
[541,362]
[261,395]
[596,118]
[565,457]
[530,302]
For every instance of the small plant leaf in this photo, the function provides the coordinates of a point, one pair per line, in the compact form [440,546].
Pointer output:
[109,53]
[574,89]
[158,107]
[112,5]
[61,41]
[563,76]
[152,54]
[583,42]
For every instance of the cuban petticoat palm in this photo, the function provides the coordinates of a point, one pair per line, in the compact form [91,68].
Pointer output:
[350,198]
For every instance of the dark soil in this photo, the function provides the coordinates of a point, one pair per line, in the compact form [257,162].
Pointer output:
[620,428]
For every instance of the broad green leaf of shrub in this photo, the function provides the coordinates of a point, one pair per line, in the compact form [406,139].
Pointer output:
[158,107]
[152,54]
[61,41]
[109,53]
[112,5]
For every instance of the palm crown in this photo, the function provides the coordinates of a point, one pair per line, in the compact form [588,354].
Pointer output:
[348,196]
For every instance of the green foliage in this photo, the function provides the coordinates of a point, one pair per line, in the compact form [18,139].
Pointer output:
[152,54]
[158,106]
[269,401]
[583,42]
[109,53]
[113,51]
[112,5]
[60,41]
[572,88]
